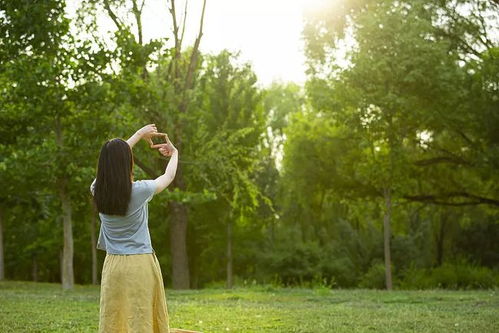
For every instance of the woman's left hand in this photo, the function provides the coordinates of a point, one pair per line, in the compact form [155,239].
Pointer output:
[147,131]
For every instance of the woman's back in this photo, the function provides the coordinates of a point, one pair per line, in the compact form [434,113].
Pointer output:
[128,234]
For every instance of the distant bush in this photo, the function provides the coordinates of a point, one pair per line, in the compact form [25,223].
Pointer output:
[295,265]
[451,276]
[374,277]
[308,265]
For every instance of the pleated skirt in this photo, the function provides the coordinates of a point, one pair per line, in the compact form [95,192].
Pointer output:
[132,298]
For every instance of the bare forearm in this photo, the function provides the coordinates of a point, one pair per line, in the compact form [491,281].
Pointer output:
[134,139]
[144,133]
[171,168]
[165,179]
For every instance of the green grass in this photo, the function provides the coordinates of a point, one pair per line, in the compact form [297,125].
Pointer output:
[44,307]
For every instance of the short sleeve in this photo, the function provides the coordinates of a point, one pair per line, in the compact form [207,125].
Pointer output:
[92,187]
[148,188]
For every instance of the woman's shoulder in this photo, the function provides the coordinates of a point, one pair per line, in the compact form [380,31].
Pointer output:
[144,188]
[143,183]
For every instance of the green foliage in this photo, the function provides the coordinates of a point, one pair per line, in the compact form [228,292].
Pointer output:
[459,275]
[296,265]
[299,173]
[374,277]
[403,115]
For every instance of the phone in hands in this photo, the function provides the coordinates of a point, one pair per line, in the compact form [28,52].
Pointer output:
[157,140]
[161,142]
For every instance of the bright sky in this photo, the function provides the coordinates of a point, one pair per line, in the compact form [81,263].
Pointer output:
[267,32]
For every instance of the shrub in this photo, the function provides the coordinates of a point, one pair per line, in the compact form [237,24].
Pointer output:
[451,276]
[374,278]
[309,265]
[295,265]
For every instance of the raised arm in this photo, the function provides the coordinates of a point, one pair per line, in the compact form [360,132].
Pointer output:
[165,179]
[143,133]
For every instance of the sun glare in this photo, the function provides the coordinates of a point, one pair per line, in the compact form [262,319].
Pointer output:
[314,4]
[268,33]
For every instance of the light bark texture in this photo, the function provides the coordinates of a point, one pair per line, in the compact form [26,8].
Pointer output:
[2,261]
[229,255]
[178,244]
[67,274]
[67,255]
[387,235]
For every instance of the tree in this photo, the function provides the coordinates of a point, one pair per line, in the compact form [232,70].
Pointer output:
[169,107]
[234,124]
[33,59]
[48,72]
[399,96]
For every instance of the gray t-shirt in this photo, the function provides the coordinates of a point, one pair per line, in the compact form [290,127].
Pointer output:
[128,234]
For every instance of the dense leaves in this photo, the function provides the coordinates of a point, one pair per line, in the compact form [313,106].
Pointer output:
[396,129]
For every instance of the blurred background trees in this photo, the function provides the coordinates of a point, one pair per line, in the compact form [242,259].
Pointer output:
[380,172]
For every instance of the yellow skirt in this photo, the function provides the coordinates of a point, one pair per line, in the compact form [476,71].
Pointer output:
[132,295]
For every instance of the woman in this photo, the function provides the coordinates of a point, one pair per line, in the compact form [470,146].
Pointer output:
[132,294]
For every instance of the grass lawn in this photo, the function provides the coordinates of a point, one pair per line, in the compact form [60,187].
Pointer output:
[44,307]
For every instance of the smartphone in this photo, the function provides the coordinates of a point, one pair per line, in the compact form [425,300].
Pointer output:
[158,139]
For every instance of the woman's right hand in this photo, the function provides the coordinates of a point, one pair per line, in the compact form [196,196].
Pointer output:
[147,131]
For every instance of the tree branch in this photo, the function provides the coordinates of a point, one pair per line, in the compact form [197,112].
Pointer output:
[194,59]
[113,16]
[442,159]
[138,18]
[175,25]
[174,63]
[183,23]
[483,26]
[446,199]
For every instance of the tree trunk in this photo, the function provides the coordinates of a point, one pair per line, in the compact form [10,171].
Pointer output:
[178,239]
[178,230]
[67,274]
[93,242]
[271,232]
[2,263]
[34,268]
[178,235]
[387,234]
[440,239]
[67,256]
[193,262]
[229,253]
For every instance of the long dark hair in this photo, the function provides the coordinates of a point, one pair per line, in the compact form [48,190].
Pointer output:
[113,185]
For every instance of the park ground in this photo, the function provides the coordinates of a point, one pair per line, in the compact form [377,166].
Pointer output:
[45,307]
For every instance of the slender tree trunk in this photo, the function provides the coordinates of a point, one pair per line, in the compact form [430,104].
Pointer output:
[178,235]
[193,262]
[67,257]
[387,234]
[182,84]
[2,262]
[93,242]
[303,229]
[67,274]
[271,232]
[34,268]
[61,256]
[178,238]
[440,239]
[229,254]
